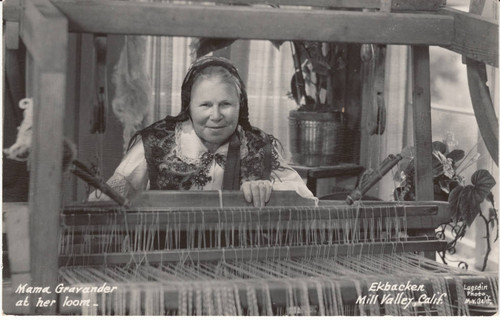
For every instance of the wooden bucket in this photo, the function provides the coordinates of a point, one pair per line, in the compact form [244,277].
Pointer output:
[317,138]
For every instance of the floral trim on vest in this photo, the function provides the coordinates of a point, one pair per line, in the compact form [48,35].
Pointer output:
[170,170]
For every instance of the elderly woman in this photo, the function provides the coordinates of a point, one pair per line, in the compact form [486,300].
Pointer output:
[209,145]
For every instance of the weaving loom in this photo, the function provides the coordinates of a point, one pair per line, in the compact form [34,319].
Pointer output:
[226,258]
[233,259]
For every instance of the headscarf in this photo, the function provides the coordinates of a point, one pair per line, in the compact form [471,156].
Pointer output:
[190,78]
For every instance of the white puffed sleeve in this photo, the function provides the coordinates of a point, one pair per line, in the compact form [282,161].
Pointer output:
[130,177]
[287,178]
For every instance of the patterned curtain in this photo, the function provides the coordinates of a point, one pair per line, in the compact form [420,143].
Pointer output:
[269,76]
[168,59]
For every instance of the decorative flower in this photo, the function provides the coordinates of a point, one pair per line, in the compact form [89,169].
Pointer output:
[446,169]
[446,163]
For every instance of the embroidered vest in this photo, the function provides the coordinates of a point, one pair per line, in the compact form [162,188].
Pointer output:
[167,171]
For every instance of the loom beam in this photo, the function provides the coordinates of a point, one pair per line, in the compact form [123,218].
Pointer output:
[258,253]
[406,22]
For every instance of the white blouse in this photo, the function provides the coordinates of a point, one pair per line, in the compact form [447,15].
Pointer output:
[131,176]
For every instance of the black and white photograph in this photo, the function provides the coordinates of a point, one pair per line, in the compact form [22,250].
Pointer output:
[250,158]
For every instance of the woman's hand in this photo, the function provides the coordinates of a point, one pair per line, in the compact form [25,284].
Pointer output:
[258,192]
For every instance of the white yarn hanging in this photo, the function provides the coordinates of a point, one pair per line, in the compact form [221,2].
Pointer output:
[20,150]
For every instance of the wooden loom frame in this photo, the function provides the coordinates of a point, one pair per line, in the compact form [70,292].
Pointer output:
[43,26]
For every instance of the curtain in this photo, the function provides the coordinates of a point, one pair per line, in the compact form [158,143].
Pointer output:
[167,59]
[269,76]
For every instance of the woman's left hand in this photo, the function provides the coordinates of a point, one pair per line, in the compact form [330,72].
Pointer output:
[258,192]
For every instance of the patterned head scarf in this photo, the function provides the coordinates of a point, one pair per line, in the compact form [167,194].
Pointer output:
[195,71]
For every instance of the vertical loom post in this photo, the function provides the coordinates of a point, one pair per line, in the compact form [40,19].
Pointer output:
[422,123]
[44,31]
[422,127]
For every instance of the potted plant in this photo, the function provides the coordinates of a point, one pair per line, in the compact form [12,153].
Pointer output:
[318,127]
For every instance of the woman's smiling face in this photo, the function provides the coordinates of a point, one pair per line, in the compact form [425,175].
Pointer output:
[214,109]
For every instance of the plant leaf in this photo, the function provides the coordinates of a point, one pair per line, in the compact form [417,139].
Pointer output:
[483,181]
[277,43]
[437,167]
[469,202]
[439,146]
[492,217]
[453,199]
[398,194]
[207,45]
[490,198]
[408,153]
[456,155]
[444,185]
[494,221]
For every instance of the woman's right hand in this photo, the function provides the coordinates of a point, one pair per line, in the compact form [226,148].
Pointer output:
[258,192]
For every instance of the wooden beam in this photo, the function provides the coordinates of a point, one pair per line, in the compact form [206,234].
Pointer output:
[386,5]
[254,253]
[150,18]
[11,10]
[16,223]
[482,104]
[417,5]
[16,219]
[427,5]
[422,123]
[11,16]
[45,184]
[41,20]
[477,6]
[474,36]
[46,37]
[186,217]
[484,109]
[422,130]
[11,35]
